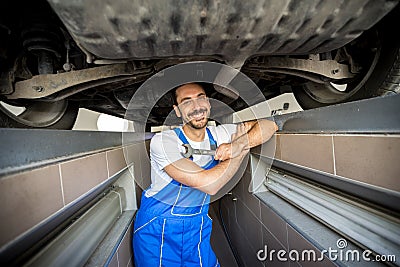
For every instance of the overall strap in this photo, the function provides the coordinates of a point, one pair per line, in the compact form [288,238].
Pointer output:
[213,146]
[182,137]
[213,143]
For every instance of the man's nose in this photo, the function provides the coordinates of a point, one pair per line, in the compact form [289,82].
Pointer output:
[195,103]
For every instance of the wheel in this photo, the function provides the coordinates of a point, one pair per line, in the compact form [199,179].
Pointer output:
[378,54]
[57,115]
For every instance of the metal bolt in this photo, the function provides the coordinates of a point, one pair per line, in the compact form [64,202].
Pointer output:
[335,71]
[38,89]
[67,66]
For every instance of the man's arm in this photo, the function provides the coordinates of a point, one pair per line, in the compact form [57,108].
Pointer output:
[208,181]
[254,132]
[212,180]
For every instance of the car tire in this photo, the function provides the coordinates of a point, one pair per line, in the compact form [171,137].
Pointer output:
[58,115]
[381,77]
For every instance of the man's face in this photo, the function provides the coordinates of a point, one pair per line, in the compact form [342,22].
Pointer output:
[193,105]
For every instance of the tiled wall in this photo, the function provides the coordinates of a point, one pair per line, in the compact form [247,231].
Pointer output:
[123,257]
[366,158]
[253,223]
[29,198]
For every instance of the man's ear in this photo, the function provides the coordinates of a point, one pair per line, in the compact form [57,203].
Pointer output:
[177,111]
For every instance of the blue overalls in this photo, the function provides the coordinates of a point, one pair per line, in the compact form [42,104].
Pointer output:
[172,228]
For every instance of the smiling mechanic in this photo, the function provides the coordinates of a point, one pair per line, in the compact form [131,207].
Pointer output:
[172,226]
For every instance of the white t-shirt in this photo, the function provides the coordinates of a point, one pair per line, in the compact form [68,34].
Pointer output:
[166,148]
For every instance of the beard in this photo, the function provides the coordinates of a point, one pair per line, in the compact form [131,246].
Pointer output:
[198,124]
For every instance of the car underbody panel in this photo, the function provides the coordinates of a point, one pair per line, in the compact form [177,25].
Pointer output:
[234,29]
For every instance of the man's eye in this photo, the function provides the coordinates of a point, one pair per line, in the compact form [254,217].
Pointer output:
[189,102]
[186,102]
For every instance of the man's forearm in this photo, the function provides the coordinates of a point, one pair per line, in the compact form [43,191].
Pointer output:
[259,133]
[249,134]
[209,181]
[214,179]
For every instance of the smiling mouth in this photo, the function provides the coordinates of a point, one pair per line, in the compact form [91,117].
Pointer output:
[199,116]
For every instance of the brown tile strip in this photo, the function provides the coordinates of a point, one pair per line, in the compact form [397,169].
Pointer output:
[125,253]
[365,158]
[369,159]
[81,175]
[131,154]
[115,161]
[313,151]
[298,243]
[30,197]
[278,153]
[27,199]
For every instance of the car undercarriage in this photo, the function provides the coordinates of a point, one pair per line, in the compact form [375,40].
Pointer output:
[57,56]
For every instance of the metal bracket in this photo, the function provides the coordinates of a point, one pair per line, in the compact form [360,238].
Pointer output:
[306,68]
[46,84]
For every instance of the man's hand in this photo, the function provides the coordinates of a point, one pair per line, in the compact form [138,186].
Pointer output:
[236,148]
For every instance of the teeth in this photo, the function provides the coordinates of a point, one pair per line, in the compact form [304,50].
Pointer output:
[198,116]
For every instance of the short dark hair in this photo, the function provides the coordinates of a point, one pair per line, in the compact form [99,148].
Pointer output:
[201,84]
[175,97]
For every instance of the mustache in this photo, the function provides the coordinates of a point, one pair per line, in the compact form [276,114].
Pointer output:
[197,111]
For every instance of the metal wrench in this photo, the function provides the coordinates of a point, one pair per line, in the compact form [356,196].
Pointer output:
[189,151]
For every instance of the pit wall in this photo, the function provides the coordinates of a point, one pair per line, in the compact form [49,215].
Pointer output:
[32,197]
[253,220]
[259,220]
